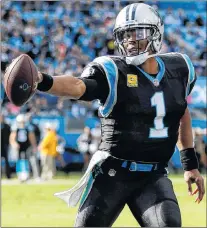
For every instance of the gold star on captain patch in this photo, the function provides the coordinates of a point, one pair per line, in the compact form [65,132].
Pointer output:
[132,80]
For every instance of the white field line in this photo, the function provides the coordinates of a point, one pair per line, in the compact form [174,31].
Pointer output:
[33,182]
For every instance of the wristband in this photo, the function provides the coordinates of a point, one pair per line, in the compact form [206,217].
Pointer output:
[46,83]
[189,159]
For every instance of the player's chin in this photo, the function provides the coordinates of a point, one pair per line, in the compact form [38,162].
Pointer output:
[134,52]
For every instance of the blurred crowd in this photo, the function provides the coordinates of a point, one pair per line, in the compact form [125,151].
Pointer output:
[63,36]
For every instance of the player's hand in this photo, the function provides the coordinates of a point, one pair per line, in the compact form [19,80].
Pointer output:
[40,77]
[194,176]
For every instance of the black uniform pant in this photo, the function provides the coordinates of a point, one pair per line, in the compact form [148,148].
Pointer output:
[4,154]
[150,197]
[23,151]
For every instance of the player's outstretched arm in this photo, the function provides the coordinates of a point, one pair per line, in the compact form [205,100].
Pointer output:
[188,157]
[185,138]
[63,85]
[22,79]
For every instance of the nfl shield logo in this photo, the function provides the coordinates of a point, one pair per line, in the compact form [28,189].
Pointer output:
[112,172]
[156,82]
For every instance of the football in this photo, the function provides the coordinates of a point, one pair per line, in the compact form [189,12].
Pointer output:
[21,80]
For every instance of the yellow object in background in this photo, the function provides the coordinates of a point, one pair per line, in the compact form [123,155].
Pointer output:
[49,144]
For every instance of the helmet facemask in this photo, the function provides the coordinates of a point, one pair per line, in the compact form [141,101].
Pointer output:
[136,42]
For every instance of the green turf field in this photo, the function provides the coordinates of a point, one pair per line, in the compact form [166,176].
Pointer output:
[33,205]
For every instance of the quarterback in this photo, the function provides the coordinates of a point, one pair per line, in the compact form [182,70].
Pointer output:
[143,115]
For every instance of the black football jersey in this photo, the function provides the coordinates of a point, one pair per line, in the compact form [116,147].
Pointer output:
[22,135]
[140,113]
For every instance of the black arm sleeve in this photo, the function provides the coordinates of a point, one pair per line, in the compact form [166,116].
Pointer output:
[96,83]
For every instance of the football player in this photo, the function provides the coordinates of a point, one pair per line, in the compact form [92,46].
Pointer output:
[143,115]
[22,138]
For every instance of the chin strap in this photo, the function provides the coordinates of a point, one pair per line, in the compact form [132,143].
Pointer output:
[139,59]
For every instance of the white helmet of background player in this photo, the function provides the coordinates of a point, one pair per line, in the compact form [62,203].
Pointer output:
[146,24]
[20,118]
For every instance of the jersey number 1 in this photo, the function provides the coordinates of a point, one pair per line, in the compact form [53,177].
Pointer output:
[159,131]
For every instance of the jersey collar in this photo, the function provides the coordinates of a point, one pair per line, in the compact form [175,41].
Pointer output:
[156,81]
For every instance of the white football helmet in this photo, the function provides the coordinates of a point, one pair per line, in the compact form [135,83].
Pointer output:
[20,118]
[147,24]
